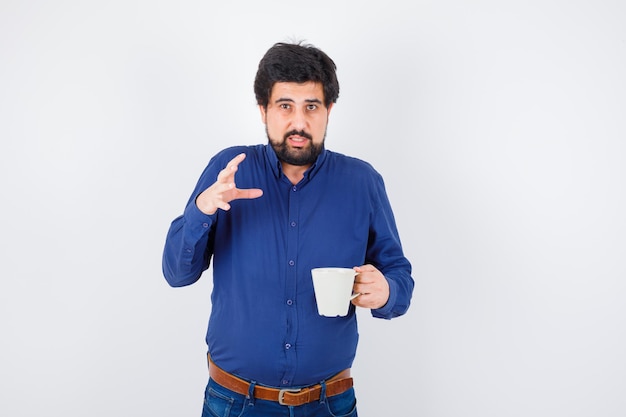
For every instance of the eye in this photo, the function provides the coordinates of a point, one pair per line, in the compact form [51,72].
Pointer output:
[285,106]
[311,107]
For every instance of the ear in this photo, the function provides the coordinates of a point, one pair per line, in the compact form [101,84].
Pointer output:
[330,106]
[263,114]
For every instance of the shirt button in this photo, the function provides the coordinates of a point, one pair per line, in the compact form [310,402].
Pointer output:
[291,263]
[205,225]
[295,188]
[293,224]
[289,302]
[287,346]
[285,382]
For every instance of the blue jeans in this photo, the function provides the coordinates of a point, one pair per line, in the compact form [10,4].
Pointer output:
[221,402]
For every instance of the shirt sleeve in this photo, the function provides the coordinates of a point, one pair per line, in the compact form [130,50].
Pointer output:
[189,242]
[385,253]
[188,247]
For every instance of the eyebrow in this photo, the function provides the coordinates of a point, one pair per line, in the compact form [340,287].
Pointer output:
[308,100]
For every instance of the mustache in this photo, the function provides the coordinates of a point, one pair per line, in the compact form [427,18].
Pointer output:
[298,133]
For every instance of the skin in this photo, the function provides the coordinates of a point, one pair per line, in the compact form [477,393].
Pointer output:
[293,107]
[296,107]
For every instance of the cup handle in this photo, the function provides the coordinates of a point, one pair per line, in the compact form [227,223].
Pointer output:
[356,294]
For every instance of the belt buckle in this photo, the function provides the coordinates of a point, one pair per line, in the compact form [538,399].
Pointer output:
[281,394]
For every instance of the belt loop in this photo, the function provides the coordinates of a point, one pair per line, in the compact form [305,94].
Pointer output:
[323,392]
[250,395]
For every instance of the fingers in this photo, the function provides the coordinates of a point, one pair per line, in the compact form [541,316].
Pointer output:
[226,178]
[249,193]
[227,175]
[366,274]
[372,285]
[224,190]
[365,268]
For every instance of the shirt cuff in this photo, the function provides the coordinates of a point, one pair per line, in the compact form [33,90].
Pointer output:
[194,215]
[197,223]
[386,311]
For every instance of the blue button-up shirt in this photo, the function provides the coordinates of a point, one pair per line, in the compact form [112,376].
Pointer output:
[264,324]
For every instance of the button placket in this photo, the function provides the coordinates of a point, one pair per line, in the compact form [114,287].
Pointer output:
[292,236]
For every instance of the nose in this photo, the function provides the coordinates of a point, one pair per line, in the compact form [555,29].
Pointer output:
[299,121]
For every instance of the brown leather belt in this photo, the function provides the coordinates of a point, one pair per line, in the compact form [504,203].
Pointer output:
[336,385]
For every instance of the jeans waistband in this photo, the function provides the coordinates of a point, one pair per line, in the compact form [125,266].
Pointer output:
[336,385]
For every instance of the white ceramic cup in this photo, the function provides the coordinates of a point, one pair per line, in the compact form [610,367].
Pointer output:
[333,290]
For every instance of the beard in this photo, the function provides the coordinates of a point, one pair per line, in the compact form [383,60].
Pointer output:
[299,156]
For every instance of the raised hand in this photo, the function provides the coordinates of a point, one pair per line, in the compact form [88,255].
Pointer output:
[224,190]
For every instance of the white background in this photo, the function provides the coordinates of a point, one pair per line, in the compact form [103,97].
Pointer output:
[500,130]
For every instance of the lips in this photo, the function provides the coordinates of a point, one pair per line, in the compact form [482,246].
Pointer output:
[297,140]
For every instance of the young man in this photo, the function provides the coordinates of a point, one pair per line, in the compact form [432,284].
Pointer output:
[266,215]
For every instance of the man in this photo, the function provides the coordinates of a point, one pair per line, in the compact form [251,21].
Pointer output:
[267,215]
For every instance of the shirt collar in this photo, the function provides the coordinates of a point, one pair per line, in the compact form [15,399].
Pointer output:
[277,169]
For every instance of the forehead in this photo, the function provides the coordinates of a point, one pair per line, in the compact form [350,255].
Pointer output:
[297,91]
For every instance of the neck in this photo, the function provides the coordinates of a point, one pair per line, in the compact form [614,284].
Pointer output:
[294,173]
